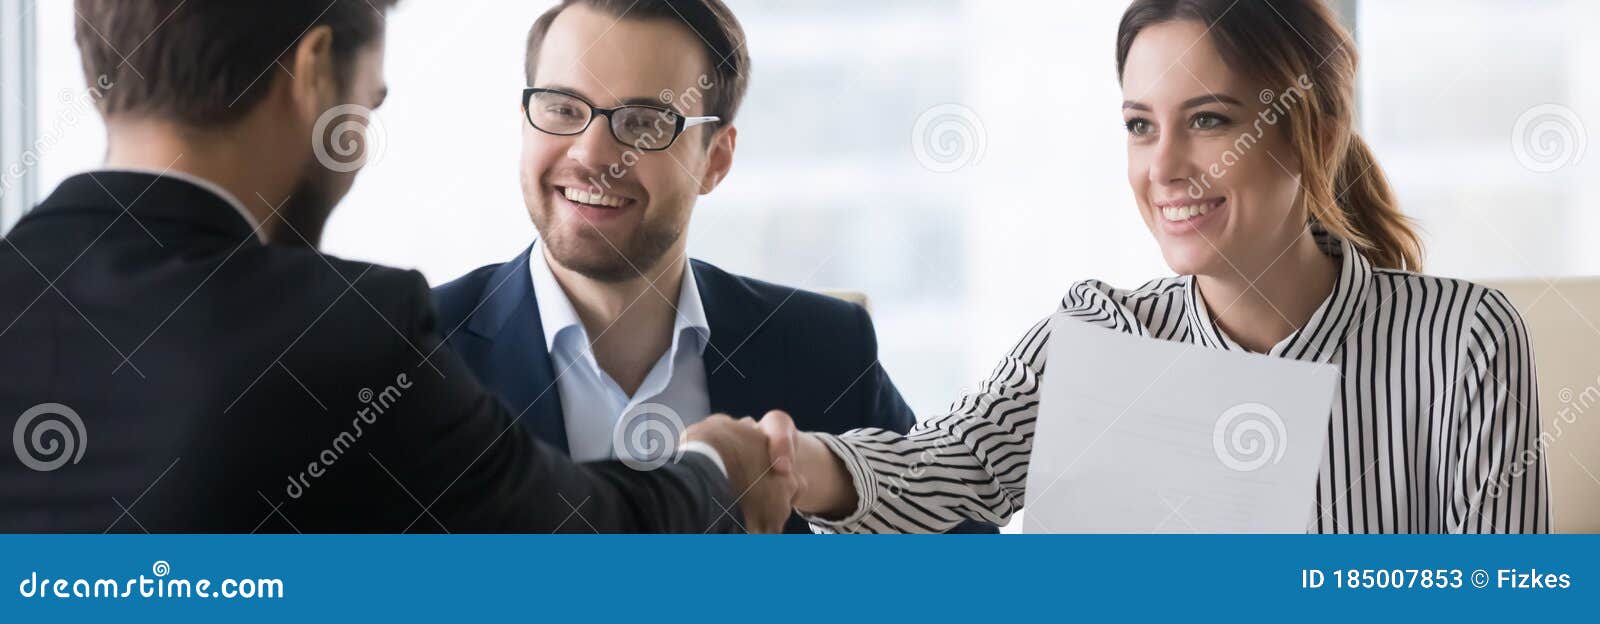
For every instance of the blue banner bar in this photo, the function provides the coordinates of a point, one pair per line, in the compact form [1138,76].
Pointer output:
[1006,578]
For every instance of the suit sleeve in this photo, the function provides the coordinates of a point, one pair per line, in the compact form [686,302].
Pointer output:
[458,446]
[882,405]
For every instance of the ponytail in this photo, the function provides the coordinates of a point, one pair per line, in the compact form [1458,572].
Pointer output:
[1371,216]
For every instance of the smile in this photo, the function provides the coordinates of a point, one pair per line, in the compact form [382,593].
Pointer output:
[1178,213]
[593,199]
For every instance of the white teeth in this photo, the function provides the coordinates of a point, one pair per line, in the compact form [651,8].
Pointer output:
[1185,213]
[593,199]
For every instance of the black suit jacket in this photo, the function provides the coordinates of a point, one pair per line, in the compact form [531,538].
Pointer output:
[224,385]
[772,347]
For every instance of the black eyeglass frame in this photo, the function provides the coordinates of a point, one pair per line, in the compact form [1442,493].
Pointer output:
[682,122]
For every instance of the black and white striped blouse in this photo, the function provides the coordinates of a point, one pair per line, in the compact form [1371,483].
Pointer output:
[1434,429]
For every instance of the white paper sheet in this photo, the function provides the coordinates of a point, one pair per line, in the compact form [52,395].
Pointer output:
[1137,435]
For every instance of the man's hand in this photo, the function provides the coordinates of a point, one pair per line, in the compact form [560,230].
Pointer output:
[760,466]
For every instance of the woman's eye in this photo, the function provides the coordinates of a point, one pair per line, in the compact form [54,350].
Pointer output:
[1139,127]
[1208,121]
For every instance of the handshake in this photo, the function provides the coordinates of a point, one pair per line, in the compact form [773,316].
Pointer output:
[774,468]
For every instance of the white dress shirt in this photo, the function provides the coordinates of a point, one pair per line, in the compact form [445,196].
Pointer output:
[603,421]
[1435,424]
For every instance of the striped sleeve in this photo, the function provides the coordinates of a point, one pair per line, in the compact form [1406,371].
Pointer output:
[1497,481]
[971,463]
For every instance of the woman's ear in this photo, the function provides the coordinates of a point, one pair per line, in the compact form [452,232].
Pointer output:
[720,161]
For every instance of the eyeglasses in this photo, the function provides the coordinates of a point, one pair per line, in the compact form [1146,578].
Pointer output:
[648,128]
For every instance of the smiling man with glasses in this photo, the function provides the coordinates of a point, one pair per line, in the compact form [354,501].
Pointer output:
[608,337]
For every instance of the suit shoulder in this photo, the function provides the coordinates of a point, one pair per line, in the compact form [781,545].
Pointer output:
[781,302]
[366,312]
[456,298]
[380,286]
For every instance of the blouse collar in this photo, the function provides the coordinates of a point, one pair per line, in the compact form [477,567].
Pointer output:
[1325,331]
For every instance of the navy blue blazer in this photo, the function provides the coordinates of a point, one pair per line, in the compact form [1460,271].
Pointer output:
[813,356]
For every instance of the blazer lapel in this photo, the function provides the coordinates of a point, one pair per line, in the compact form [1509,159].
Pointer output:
[519,363]
[741,361]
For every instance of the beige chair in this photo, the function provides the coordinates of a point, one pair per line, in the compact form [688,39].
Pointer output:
[1563,315]
[853,296]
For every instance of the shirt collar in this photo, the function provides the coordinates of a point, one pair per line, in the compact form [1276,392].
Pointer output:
[1325,331]
[560,318]
[212,187]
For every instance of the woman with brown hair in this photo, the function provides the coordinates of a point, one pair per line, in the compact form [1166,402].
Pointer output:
[1246,167]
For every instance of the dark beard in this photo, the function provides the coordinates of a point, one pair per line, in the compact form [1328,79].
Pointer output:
[641,254]
[299,222]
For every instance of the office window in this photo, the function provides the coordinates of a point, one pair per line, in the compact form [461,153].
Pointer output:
[1481,113]
[70,132]
[18,145]
[828,191]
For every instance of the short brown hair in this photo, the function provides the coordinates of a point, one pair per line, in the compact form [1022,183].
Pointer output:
[207,62]
[711,21]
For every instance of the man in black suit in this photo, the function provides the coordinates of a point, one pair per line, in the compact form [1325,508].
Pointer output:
[180,357]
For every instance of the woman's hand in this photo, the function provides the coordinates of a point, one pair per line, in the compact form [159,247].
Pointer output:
[825,487]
